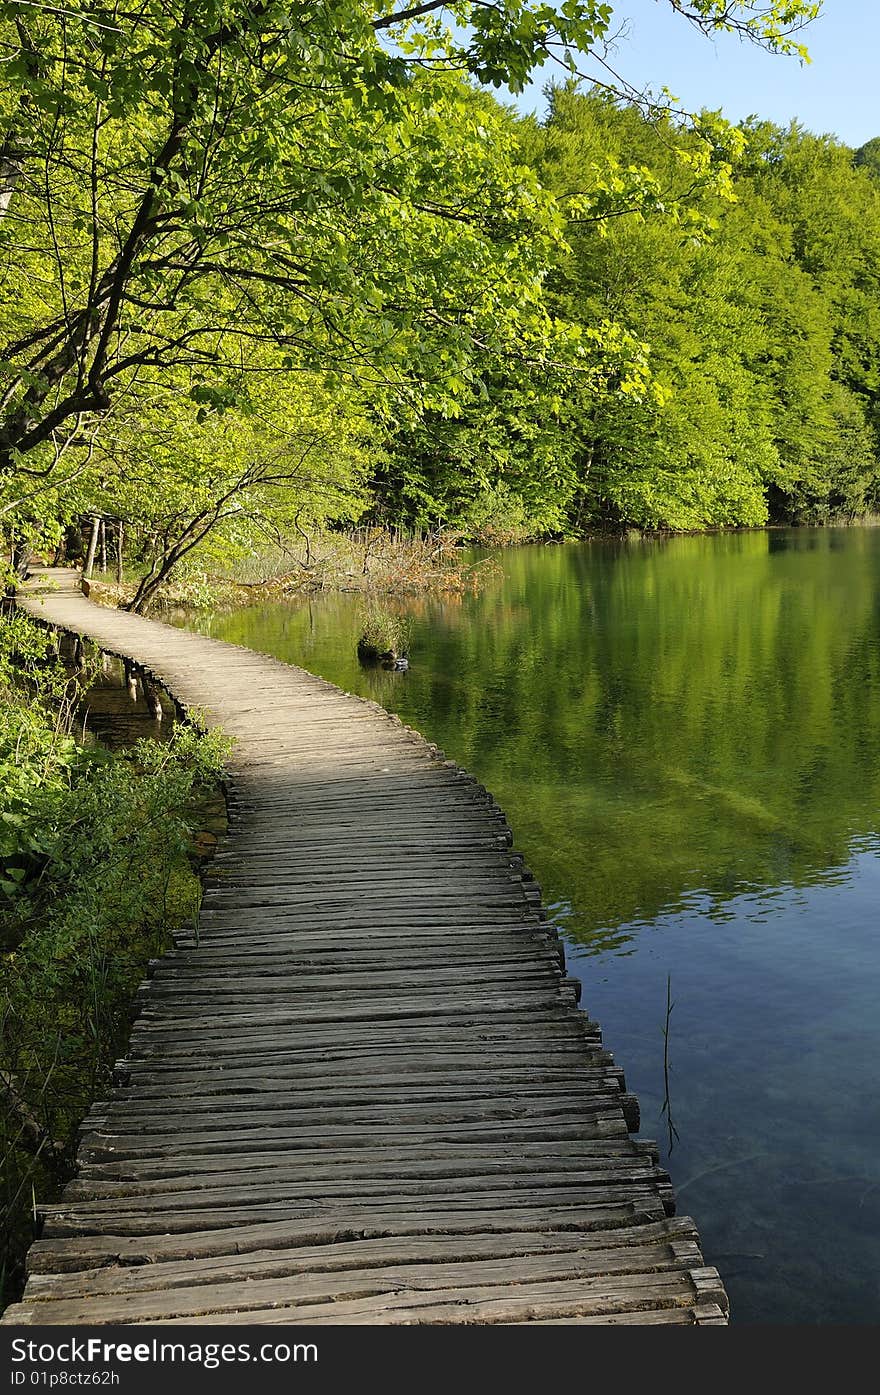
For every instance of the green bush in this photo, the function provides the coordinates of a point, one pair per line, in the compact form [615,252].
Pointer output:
[385,635]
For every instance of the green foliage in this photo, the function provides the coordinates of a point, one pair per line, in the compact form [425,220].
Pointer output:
[38,756]
[385,634]
[222,223]
[868,156]
[184,201]
[755,303]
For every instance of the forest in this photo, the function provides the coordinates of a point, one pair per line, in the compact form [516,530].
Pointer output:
[258,280]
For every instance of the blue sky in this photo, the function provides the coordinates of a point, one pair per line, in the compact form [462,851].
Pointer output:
[838,93]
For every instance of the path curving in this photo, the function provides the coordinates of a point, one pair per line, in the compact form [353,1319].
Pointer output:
[366,1094]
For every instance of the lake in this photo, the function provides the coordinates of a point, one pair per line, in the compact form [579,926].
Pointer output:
[685,737]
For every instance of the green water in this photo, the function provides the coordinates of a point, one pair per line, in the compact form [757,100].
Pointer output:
[685,736]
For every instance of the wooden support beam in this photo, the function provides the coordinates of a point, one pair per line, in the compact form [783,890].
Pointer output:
[151,693]
[131,677]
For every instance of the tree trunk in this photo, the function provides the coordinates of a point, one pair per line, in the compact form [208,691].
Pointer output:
[147,588]
[119,551]
[11,166]
[19,556]
[103,537]
[93,543]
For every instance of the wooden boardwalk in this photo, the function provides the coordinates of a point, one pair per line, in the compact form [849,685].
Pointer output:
[367,1094]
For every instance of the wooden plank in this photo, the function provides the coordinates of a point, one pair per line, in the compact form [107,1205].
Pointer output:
[173,981]
[335,1257]
[593,1094]
[567,1296]
[422,1157]
[562,1053]
[291,1111]
[51,1255]
[604,1080]
[207,1212]
[287,1177]
[607,1274]
[335,957]
[151,1042]
[98,1144]
[445,1009]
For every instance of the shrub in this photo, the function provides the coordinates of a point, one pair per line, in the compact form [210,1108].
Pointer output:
[385,635]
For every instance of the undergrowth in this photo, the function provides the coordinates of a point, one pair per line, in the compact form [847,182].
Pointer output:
[375,561]
[96,870]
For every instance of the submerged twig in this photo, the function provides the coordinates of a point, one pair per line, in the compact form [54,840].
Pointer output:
[671,1130]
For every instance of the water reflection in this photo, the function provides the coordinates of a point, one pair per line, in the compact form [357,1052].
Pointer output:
[703,711]
[120,706]
[685,735]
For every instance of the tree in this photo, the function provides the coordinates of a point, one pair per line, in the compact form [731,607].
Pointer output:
[868,156]
[755,301]
[280,454]
[276,173]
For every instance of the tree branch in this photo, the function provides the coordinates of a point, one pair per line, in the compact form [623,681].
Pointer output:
[401,16]
[33,1137]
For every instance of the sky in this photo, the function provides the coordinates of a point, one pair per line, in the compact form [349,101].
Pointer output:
[838,93]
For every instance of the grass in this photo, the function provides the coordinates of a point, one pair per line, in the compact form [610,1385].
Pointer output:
[385,635]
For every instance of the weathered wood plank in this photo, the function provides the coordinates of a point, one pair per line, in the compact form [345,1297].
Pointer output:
[610,1274]
[565,1296]
[334,1257]
[94,1219]
[83,1251]
[102,1144]
[283,1177]
[548,1053]
[424,1157]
